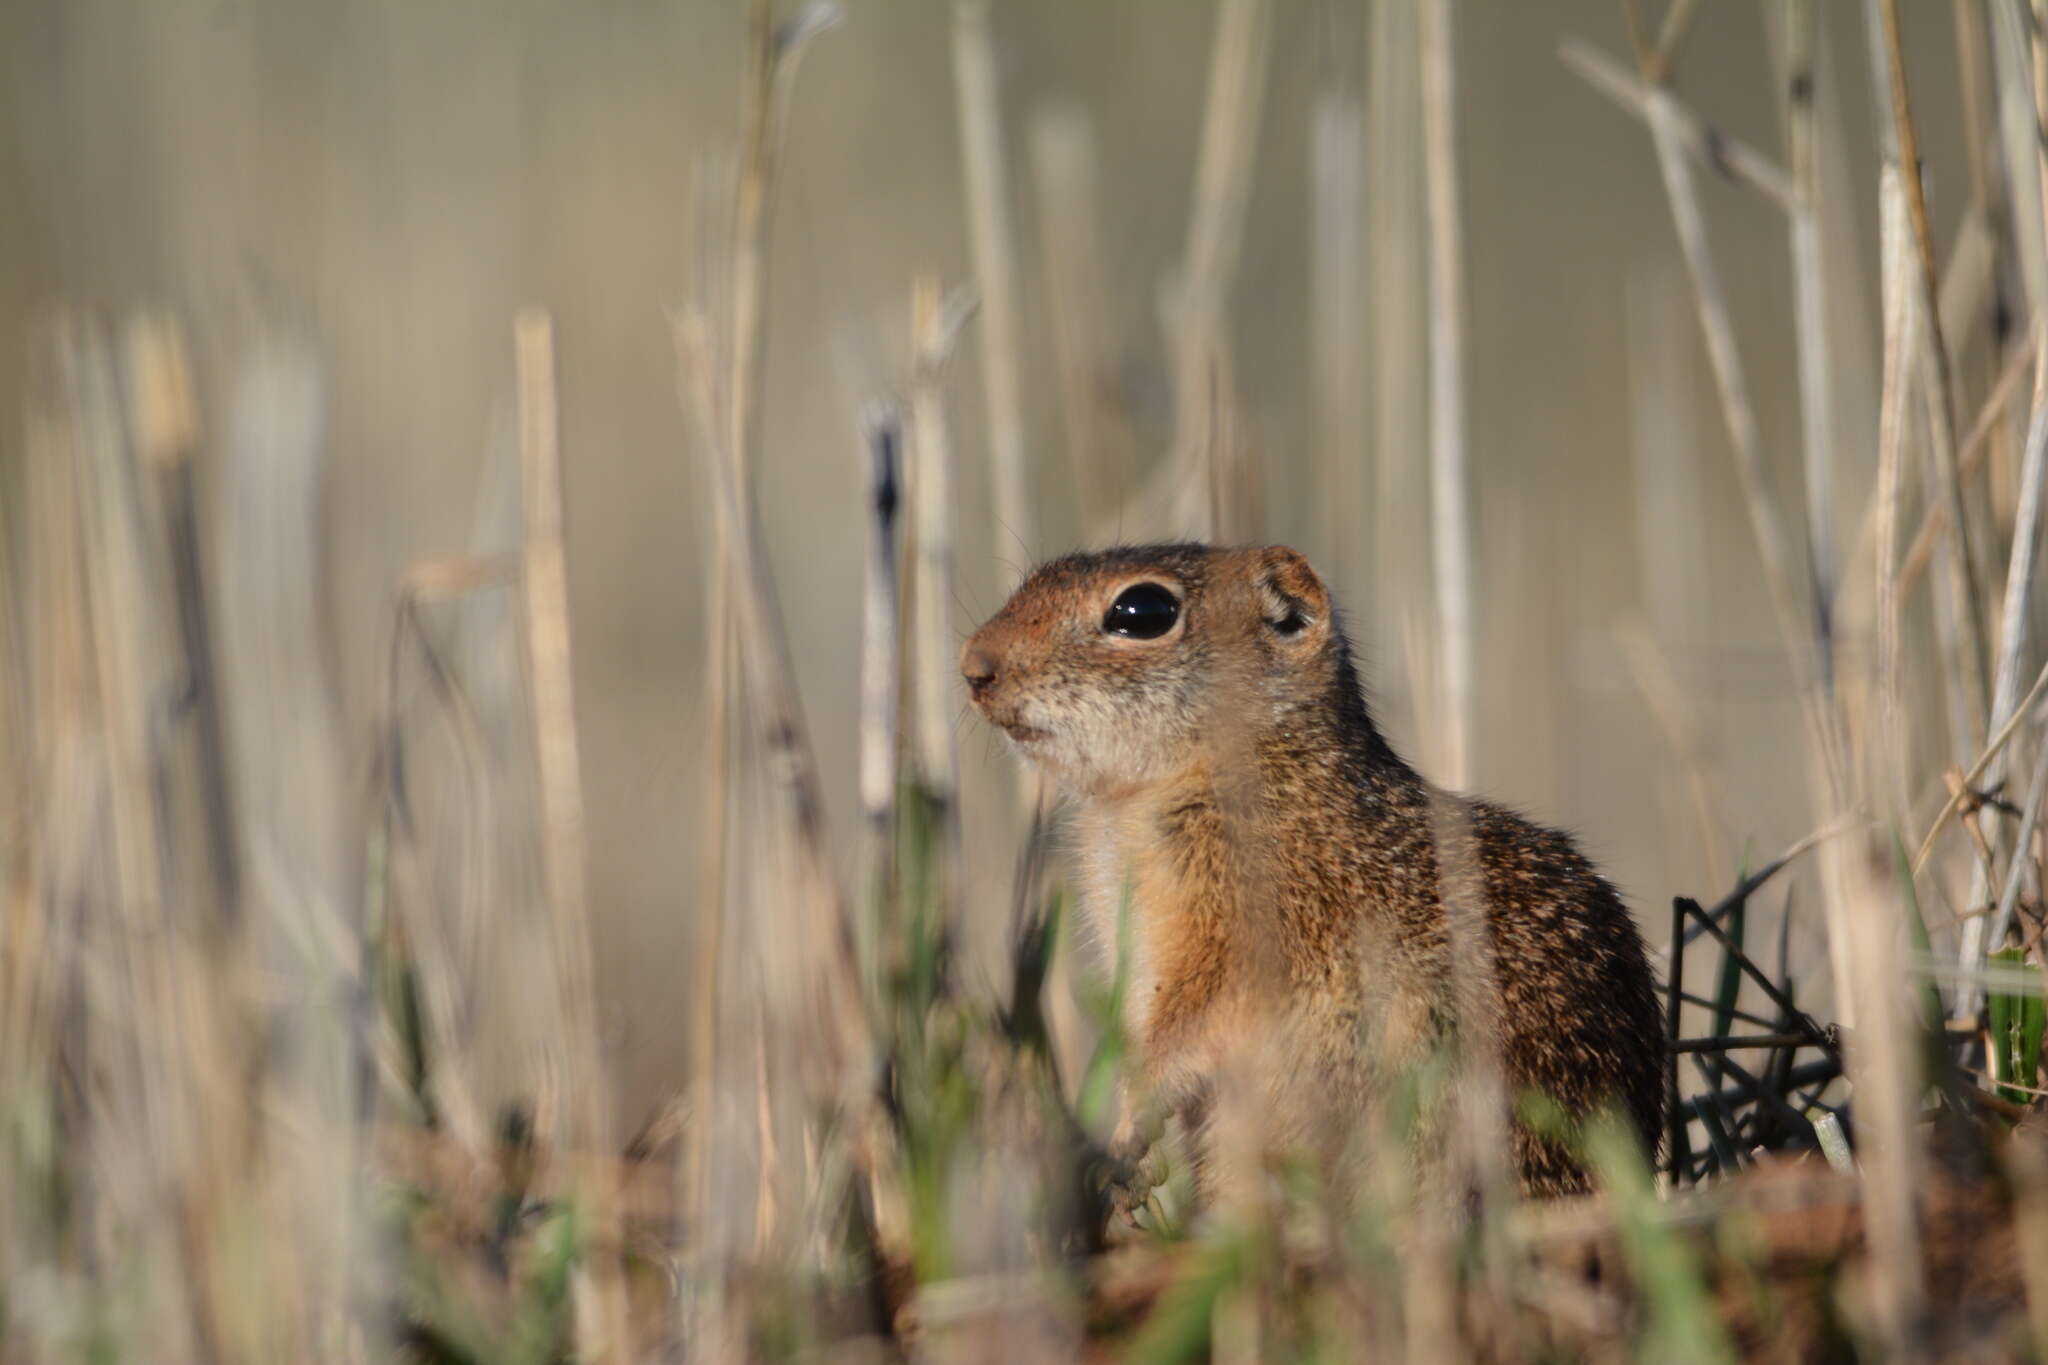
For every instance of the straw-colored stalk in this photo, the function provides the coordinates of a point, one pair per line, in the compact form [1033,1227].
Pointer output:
[809,953]
[1204,454]
[1450,475]
[61,739]
[2026,532]
[1340,329]
[1979,138]
[161,1198]
[544,584]
[1810,316]
[2037,43]
[2013,634]
[995,275]
[774,57]
[1400,568]
[305,1192]
[1745,443]
[2019,143]
[1884,1068]
[819,915]
[2024,559]
[2021,571]
[1967,661]
[1800,629]
[442,969]
[935,323]
[2013,380]
[2022,854]
[1657,55]
[292,786]
[1899,303]
[1706,145]
[1975,772]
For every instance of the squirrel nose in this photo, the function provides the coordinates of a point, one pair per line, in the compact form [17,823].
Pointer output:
[978,666]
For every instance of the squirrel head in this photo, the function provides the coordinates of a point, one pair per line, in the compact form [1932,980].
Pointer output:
[1118,669]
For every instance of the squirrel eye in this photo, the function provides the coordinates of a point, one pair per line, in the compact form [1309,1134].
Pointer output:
[1143,611]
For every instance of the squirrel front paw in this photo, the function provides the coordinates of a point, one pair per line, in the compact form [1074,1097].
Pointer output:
[1130,1172]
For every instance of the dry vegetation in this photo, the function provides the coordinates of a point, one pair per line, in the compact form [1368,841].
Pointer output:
[249,956]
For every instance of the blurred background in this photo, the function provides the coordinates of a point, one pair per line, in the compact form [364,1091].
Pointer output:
[401,178]
[344,207]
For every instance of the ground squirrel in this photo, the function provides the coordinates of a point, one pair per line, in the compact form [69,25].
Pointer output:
[1279,862]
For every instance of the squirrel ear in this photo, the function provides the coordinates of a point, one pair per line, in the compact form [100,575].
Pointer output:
[1292,600]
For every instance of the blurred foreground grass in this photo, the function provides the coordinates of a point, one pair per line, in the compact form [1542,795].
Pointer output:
[257,969]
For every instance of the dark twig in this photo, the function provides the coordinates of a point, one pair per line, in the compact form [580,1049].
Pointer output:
[1748,885]
[1807,1075]
[1717,1119]
[1675,1146]
[1742,1040]
[1773,1100]
[1799,1019]
[1743,1015]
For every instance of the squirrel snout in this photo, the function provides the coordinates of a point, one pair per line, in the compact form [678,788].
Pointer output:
[978,667]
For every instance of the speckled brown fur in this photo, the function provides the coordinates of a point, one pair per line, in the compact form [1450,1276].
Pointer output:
[1279,864]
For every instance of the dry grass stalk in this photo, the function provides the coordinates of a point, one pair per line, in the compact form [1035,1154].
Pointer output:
[1884,1068]
[64,774]
[21,927]
[1341,336]
[995,275]
[1972,56]
[1888,496]
[820,920]
[935,323]
[1706,145]
[2014,625]
[2022,570]
[1794,623]
[1394,210]
[544,586]
[1671,35]
[707,956]
[808,1013]
[2022,854]
[1992,748]
[292,780]
[148,1202]
[1450,478]
[774,56]
[1194,303]
[1968,662]
[444,966]
[2019,369]
[2018,141]
[774,52]
[1810,316]
[2037,43]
